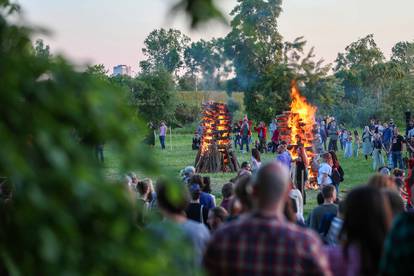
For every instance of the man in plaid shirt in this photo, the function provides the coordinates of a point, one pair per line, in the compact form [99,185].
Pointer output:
[263,242]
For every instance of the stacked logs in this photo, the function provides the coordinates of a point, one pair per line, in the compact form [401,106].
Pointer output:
[215,153]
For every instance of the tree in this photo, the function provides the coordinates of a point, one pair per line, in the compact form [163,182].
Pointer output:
[205,57]
[356,66]
[98,71]
[164,50]
[67,217]
[153,97]
[403,55]
[42,50]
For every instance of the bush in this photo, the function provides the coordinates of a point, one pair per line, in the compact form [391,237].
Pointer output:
[186,114]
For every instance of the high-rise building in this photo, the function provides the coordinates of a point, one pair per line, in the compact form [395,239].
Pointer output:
[122,70]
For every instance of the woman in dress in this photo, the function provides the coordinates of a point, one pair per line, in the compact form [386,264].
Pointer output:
[366,142]
[378,146]
[348,144]
[357,141]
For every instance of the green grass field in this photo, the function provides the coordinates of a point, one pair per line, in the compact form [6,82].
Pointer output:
[357,170]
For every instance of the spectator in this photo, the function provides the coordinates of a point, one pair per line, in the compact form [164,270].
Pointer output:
[243,191]
[377,158]
[262,136]
[256,162]
[144,193]
[227,191]
[187,173]
[382,181]
[410,145]
[328,208]
[336,225]
[172,208]
[195,210]
[325,170]
[333,136]
[337,171]
[283,156]
[237,136]
[399,247]
[245,134]
[216,217]
[323,133]
[263,242]
[245,169]
[357,142]
[366,223]
[275,140]
[163,133]
[395,201]
[396,150]
[206,199]
[366,142]
[207,188]
[387,134]
[296,195]
[272,126]
[348,144]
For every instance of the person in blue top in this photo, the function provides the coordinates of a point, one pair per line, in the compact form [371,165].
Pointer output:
[283,155]
[387,134]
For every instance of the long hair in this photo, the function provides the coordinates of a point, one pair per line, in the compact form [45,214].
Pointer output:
[256,154]
[366,223]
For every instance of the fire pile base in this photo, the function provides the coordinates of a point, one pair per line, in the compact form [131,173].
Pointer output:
[214,161]
[215,154]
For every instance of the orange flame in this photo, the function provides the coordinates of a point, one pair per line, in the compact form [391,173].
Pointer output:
[301,120]
[301,123]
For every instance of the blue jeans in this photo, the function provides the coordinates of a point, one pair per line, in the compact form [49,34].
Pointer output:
[397,160]
[245,140]
[162,142]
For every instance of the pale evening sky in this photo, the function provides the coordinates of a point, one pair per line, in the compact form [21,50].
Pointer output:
[112,32]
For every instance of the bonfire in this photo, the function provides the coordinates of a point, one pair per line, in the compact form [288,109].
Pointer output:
[215,153]
[297,128]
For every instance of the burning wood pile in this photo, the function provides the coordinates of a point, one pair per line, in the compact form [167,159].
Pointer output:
[297,128]
[215,153]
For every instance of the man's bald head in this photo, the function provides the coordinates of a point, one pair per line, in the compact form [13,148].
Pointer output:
[271,184]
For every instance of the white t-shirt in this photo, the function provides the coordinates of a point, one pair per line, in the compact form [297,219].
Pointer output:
[324,168]
[255,165]
[297,196]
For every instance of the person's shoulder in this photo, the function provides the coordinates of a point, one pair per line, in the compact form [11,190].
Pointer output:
[195,227]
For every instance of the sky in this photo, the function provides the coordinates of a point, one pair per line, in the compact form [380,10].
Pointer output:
[112,32]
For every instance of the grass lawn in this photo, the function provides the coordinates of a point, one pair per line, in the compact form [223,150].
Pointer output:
[357,170]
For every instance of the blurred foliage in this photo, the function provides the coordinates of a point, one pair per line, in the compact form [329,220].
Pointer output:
[187,114]
[199,11]
[65,218]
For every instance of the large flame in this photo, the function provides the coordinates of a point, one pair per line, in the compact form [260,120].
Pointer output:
[301,120]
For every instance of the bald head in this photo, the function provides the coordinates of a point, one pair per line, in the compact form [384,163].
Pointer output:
[270,185]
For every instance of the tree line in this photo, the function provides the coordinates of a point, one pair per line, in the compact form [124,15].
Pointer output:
[255,59]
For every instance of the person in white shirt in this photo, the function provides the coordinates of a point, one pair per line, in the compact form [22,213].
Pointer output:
[296,195]
[256,162]
[325,170]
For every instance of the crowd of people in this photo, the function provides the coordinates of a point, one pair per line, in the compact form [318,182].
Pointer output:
[258,228]
[258,225]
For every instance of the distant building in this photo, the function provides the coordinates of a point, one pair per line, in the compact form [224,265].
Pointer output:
[122,70]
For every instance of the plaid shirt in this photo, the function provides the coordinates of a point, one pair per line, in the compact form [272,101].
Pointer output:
[257,245]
